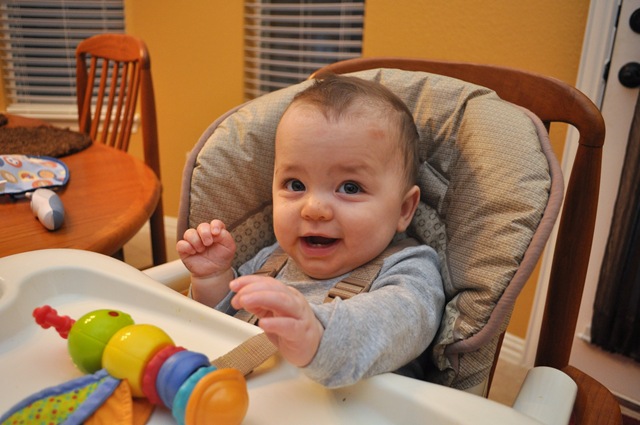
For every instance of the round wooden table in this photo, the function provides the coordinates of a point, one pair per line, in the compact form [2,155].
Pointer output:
[109,197]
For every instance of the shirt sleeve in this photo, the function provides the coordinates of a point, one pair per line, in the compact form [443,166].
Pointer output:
[384,329]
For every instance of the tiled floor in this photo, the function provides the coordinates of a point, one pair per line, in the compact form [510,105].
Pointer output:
[507,379]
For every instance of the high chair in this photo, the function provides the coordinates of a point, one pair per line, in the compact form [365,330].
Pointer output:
[112,72]
[552,101]
[491,192]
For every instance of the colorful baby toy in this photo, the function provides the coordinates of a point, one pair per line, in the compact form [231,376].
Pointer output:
[124,359]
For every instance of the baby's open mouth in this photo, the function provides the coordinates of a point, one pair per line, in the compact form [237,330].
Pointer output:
[319,240]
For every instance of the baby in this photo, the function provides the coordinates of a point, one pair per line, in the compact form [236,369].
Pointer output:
[346,159]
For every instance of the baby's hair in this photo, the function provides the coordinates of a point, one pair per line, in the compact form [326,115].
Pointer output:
[337,95]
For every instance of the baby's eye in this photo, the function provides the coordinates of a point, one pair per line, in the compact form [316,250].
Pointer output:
[295,185]
[350,188]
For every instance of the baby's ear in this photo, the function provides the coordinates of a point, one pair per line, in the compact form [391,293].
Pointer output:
[408,208]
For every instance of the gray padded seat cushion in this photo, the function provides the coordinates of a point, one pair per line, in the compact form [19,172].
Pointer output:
[491,191]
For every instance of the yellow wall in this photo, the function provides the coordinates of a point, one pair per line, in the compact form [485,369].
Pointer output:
[197,59]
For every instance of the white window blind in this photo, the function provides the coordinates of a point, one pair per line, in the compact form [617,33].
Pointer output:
[37,47]
[286,40]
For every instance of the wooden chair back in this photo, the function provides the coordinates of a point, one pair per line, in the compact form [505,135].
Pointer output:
[113,71]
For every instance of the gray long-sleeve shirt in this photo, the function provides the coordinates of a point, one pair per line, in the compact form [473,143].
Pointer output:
[374,332]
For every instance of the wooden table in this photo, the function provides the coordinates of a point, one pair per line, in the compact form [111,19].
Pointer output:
[109,197]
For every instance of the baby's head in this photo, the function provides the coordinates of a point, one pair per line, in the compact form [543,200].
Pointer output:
[344,177]
[339,97]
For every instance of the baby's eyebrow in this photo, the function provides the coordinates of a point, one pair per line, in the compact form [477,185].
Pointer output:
[286,168]
[357,168]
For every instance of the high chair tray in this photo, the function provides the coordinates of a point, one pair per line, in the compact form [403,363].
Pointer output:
[76,282]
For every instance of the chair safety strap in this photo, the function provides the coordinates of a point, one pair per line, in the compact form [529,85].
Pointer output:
[274,264]
[248,355]
[358,281]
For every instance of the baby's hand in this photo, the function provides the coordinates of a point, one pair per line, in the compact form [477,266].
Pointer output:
[284,313]
[207,250]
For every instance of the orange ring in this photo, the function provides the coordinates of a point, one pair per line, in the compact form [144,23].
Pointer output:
[221,397]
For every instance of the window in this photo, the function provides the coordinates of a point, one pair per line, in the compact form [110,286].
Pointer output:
[37,48]
[286,40]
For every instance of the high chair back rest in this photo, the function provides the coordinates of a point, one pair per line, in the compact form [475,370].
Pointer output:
[112,72]
[552,101]
[491,191]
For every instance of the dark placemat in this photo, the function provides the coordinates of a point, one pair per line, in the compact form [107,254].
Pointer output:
[42,141]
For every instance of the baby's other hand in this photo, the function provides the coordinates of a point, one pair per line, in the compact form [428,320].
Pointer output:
[207,250]
[284,314]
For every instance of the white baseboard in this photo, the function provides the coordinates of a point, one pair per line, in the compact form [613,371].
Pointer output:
[513,349]
[628,407]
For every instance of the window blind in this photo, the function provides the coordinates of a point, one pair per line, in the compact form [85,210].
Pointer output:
[286,40]
[37,47]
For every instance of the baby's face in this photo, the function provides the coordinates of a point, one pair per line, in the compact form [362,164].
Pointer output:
[339,195]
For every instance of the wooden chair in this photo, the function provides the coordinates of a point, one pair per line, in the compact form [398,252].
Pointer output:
[113,71]
[552,101]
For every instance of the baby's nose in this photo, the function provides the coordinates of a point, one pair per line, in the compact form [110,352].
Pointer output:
[316,209]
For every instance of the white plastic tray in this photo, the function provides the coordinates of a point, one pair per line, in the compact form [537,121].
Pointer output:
[76,282]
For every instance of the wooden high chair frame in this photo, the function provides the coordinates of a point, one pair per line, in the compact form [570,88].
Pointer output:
[552,101]
[107,113]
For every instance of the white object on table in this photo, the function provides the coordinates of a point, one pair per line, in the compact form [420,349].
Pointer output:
[47,207]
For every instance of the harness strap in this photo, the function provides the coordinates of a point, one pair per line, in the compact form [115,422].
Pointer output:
[360,280]
[248,355]
[274,263]
[357,282]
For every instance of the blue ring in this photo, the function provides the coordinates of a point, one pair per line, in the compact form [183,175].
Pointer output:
[174,371]
[182,396]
